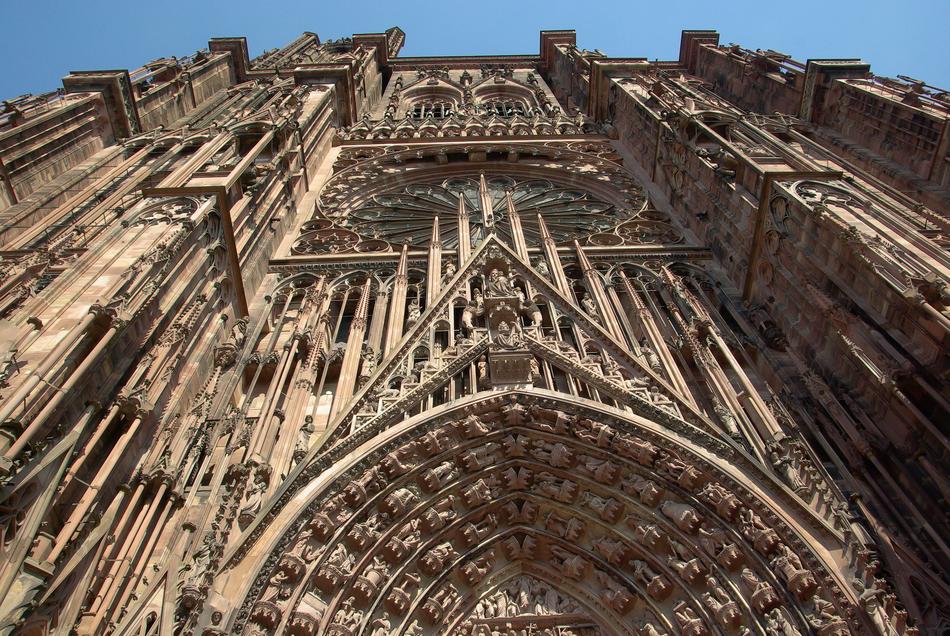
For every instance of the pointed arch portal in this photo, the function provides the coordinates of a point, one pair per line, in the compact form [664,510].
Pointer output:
[427,527]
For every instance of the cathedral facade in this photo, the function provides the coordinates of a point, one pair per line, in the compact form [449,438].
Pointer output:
[333,341]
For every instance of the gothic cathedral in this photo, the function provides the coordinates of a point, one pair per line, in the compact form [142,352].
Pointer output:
[332,341]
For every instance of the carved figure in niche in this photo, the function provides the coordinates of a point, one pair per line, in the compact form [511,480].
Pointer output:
[357,491]
[648,534]
[440,514]
[479,457]
[657,586]
[541,267]
[438,557]
[727,418]
[684,516]
[689,623]
[481,492]
[279,588]
[723,608]
[435,606]
[788,567]
[587,304]
[570,565]
[450,270]
[341,559]
[644,489]
[824,618]
[305,547]
[640,451]
[609,509]
[717,545]
[648,629]
[755,531]
[726,503]
[474,571]
[474,309]
[535,369]
[595,433]
[381,626]
[549,420]
[437,477]
[434,442]
[661,400]
[303,438]
[255,498]
[348,617]
[529,308]
[238,333]
[602,470]
[650,356]
[570,528]
[777,624]
[499,285]
[785,466]
[614,595]
[509,335]
[394,463]
[473,426]
[483,381]
[872,600]
[763,598]
[363,534]
[553,453]
[415,312]
[562,490]
[612,551]
[201,560]
[689,571]
[472,533]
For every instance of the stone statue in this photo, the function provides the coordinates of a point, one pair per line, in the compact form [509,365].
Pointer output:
[499,285]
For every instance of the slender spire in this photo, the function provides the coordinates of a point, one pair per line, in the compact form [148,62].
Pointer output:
[488,214]
[434,278]
[517,231]
[465,237]
[554,261]
[436,237]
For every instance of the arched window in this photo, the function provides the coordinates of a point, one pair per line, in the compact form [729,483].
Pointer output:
[504,108]
[434,108]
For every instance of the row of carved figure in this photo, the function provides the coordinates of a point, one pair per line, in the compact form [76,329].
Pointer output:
[596,506]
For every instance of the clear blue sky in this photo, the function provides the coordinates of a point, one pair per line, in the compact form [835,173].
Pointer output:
[42,40]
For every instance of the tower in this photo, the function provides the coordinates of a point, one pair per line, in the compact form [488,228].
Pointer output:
[330,341]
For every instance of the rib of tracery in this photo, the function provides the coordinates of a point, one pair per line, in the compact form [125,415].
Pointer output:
[665,403]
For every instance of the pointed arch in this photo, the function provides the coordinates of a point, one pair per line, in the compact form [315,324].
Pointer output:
[640,517]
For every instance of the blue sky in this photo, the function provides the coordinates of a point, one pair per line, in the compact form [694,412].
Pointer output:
[41,40]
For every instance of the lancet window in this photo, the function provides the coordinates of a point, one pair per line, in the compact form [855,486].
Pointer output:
[505,108]
[434,108]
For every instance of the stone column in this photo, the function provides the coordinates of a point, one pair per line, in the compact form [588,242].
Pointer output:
[595,288]
[554,261]
[92,492]
[397,302]
[354,352]
[434,270]
[655,340]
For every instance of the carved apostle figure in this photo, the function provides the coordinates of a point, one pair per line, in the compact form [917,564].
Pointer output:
[499,285]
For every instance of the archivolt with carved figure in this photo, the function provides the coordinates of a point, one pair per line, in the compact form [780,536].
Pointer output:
[524,508]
